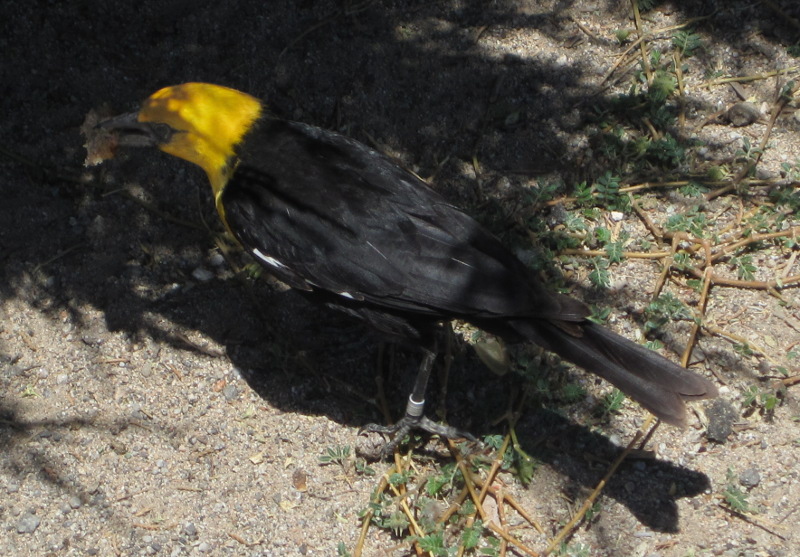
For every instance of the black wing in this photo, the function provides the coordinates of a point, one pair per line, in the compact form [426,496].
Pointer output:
[322,211]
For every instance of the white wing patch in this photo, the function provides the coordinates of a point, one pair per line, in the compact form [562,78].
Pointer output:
[271,261]
[275,264]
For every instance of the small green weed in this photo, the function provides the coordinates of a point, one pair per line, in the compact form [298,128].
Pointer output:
[733,495]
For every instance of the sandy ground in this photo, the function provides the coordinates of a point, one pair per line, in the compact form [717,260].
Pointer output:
[155,402]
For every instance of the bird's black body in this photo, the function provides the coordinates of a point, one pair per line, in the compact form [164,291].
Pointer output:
[349,227]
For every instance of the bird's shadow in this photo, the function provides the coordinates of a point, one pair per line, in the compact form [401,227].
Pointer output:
[324,363]
[649,488]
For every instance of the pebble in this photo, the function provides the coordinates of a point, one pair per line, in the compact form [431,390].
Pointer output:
[146,369]
[750,477]
[190,529]
[230,392]
[28,523]
[743,114]
[216,260]
[92,340]
[721,417]
[203,547]
[203,275]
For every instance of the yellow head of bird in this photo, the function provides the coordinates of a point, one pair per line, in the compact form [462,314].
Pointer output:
[208,122]
[199,122]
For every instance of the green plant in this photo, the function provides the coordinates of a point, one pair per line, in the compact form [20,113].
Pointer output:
[572,392]
[600,276]
[693,189]
[748,153]
[745,269]
[573,550]
[693,221]
[733,495]
[686,42]
[612,402]
[433,544]
[363,468]
[608,195]
[335,455]
[662,310]
[662,86]
[766,401]
[30,392]
[437,483]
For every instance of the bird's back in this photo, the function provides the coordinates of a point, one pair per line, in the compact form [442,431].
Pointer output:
[324,212]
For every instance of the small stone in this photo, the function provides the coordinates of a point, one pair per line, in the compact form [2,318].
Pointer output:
[92,340]
[721,417]
[743,114]
[750,477]
[216,260]
[230,392]
[75,502]
[146,370]
[203,275]
[203,547]
[190,529]
[28,523]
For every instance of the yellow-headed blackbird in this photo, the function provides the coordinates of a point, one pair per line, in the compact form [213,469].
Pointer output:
[350,228]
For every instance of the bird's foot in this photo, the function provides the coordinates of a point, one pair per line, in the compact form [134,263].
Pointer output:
[401,429]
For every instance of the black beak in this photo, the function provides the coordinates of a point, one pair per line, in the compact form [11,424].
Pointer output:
[133,133]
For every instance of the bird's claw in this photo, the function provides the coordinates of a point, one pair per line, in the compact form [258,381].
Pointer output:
[401,429]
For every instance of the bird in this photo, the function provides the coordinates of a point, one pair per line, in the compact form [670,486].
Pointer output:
[351,229]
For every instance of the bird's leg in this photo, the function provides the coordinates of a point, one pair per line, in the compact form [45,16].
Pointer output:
[415,417]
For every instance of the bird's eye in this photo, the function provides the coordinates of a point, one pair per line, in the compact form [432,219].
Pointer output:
[162,132]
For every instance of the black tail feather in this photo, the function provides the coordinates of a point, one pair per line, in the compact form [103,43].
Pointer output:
[656,383]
